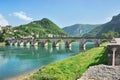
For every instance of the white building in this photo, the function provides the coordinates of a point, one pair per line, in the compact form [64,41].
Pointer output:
[0,29]
[50,35]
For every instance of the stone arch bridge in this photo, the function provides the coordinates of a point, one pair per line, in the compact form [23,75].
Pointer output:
[56,41]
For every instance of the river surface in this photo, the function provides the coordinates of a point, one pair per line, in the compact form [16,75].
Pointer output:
[16,60]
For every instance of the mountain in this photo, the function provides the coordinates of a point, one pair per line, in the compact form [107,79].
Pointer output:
[36,29]
[111,26]
[79,29]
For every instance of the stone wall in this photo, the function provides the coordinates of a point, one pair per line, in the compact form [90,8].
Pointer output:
[110,54]
[102,72]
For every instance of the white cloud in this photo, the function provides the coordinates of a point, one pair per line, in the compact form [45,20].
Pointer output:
[22,15]
[3,21]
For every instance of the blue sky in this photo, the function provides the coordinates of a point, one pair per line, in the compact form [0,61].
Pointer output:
[62,12]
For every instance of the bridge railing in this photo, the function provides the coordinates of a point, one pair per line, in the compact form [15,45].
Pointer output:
[59,38]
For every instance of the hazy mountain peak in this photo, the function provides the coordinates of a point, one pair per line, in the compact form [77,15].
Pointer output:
[79,29]
[115,19]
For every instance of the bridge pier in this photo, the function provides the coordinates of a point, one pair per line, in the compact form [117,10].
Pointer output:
[44,44]
[35,43]
[15,44]
[27,44]
[21,43]
[97,44]
[67,44]
[83,46]
[55,44]
[11,44]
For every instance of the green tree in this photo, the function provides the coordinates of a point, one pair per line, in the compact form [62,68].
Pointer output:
[110,34]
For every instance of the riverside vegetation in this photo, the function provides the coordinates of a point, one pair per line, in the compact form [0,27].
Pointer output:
[73,67]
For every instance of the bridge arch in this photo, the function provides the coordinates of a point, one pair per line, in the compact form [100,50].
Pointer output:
[105,40]
[45,43]
[96,43]
[15,43]
[56,43]
[68,43]
[20,42]
[35,43]
[27,42]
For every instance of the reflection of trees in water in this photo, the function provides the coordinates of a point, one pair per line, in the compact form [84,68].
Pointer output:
[3,60]
[36,52]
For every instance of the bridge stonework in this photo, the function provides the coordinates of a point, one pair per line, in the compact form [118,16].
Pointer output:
[110,49]
[55,41]
[113,50]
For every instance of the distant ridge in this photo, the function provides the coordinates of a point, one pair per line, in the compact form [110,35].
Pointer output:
[113,25]
[77,30]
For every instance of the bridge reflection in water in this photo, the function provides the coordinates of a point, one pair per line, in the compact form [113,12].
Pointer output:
[56,41]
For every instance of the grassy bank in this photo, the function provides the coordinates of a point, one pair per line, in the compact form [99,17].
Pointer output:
[72,68]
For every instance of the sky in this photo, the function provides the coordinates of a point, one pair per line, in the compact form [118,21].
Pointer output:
[62,12]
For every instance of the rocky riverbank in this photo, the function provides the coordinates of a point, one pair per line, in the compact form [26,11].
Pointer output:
[102,72]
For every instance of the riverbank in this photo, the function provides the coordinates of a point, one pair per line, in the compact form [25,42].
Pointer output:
[72,68]
[23,76]
[2,43]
